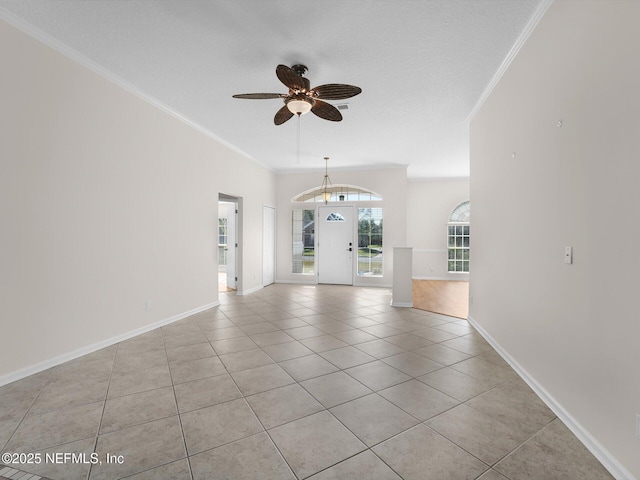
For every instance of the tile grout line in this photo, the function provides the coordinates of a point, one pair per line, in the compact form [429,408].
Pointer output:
[340,370]
[325,409]
[177,414]
[175,397]
[260,421]
[104,407]
[29,408]
[373,392]
[420,422]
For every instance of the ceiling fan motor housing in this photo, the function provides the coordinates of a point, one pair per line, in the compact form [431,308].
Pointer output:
[300,69]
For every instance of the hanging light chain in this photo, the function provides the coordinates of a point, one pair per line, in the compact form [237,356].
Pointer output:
[326,183]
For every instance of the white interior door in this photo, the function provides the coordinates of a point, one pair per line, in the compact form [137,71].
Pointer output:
[232,248]
[335,245]
[268,245]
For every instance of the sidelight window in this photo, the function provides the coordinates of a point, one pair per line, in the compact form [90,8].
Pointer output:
[458,238]
[303,241]
[370,242]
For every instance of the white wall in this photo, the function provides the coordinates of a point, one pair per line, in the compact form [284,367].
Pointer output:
[572,329]
[429,205]
[106,202]
[390,183]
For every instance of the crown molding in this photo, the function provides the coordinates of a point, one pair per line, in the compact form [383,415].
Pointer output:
[520,41]
[74,55]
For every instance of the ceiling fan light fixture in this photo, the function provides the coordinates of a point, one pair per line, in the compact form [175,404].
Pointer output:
[299,106]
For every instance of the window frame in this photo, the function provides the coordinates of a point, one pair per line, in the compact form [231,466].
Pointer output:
[222,246]
[371,272]
[459,239]
[312,200]
[294,247]
[340,193]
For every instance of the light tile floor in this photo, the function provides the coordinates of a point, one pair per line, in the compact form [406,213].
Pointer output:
[293,381]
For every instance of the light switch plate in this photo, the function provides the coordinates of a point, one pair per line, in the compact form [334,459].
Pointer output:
[568,255]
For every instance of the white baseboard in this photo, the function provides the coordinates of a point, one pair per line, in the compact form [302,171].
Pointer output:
[355,283]
[401,304]
[251,290]
[464,278]
[52,362]
[602,454]
[296,282]
[367,285]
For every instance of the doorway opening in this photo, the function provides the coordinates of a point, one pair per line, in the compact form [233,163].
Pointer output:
[268,245]
[341,241]
[227,243]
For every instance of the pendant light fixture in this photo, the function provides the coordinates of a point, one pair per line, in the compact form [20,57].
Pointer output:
[326,186]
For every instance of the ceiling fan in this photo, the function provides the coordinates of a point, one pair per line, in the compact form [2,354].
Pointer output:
[302,98]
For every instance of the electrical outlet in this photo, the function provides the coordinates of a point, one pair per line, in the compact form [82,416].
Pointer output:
[149,305]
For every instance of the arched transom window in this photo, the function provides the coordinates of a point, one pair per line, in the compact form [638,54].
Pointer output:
[339,193]
[461,213]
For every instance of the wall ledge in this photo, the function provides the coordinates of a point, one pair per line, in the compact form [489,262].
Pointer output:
[52,362]
[602,454]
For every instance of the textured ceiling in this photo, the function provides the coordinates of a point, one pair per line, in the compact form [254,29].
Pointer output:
[422,66]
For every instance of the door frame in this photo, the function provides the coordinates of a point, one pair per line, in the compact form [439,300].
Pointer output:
[268,257]
[237,217]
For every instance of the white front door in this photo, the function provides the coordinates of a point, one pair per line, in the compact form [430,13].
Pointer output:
[335,245]
[268,245]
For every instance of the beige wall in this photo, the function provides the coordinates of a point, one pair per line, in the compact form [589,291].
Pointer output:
[106,202]
[429,205]
[573,330]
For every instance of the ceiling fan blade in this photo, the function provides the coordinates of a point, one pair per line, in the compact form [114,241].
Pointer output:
[327,111]
[290,78]
[282,115]
[336,91]
[259,96]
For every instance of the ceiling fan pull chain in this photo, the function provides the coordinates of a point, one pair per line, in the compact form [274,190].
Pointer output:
[298,138]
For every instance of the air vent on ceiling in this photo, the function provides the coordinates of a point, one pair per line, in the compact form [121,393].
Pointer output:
[343,106]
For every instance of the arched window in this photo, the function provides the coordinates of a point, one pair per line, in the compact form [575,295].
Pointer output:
[458,238]
[335,217]
[461,213]
[339,193]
